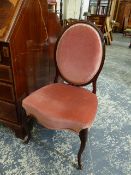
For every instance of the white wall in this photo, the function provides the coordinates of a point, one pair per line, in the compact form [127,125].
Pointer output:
[71,8]
[85,7]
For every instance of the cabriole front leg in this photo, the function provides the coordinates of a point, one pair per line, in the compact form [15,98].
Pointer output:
[83,134]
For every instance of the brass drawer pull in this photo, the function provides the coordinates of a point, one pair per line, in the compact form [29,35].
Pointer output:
[5,52]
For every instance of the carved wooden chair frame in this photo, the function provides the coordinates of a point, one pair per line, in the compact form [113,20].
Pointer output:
[83,134]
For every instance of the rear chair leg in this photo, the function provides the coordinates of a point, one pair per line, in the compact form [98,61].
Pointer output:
[83,134]
[26,127]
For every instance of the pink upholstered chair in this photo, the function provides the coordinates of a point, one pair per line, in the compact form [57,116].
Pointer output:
[52,3]
[80,54]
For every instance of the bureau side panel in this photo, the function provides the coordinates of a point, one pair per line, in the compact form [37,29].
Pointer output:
[29,61]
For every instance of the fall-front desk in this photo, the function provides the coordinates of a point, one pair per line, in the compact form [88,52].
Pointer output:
[22,58]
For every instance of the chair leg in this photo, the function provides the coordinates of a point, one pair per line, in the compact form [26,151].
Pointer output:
[130,44]
[111,35]
[26,127]
[83,134]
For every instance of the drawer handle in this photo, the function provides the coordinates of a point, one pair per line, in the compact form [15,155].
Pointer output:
[5,51]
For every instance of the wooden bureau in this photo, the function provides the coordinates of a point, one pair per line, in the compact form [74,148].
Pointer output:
[24,64]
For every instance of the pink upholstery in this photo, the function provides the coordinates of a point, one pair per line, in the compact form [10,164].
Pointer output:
[61,106]
[79,53]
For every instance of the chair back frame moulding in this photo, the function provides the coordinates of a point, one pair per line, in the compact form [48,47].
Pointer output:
[94,79]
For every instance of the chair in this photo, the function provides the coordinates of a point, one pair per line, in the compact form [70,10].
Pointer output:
[52,5]
[98,20]
[69,21]
[127,27]
[80,53]
[108,31]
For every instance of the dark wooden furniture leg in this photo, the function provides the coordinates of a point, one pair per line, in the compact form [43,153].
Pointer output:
[83,134]
[25,122]
[61,13]
[130,44]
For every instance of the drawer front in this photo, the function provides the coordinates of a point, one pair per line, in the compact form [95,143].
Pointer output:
[6,92]
[8,111]
[5,73]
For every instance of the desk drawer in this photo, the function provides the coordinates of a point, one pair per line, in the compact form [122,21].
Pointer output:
[6,92]
[5,73]
[8,111]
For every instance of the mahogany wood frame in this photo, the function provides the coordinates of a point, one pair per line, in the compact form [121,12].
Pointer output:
[83,134]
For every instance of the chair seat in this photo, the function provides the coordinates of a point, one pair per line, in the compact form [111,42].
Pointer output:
[62,106]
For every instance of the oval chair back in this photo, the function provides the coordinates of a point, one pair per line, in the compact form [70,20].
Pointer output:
[79,53]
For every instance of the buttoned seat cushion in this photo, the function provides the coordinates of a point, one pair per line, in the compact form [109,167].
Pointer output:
[62,106]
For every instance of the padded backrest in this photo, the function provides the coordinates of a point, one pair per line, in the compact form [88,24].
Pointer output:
[79,53]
